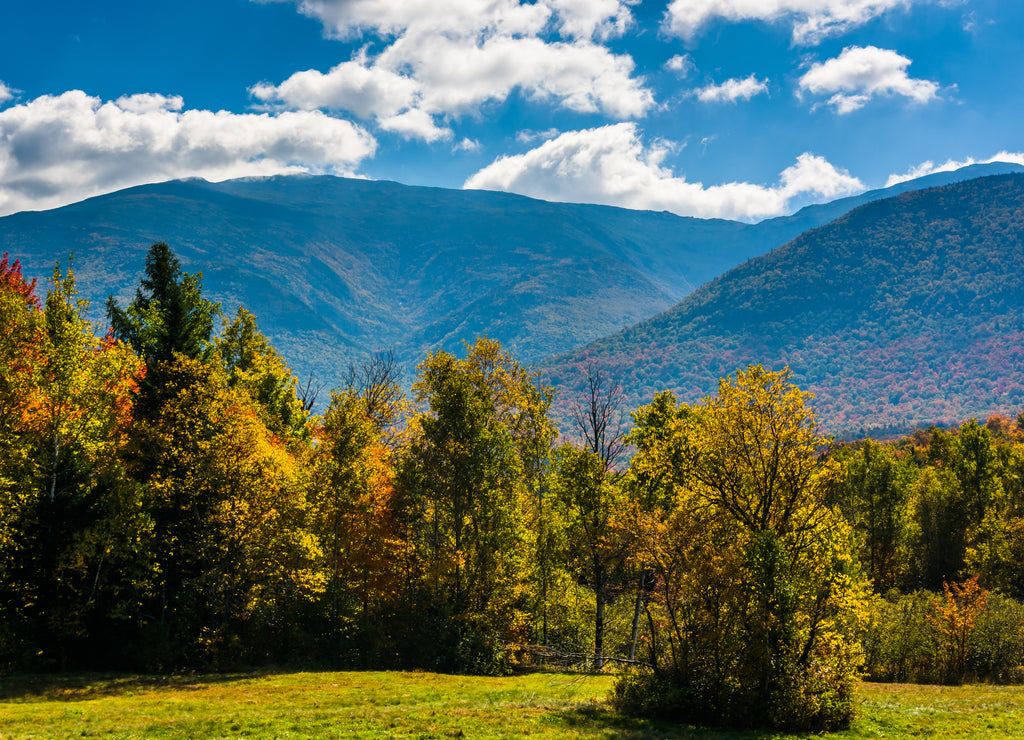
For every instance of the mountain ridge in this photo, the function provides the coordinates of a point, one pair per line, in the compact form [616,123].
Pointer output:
[903,312]
[336,268]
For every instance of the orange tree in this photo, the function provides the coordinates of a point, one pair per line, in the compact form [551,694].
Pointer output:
[954,617]
[76,515]
[353,513]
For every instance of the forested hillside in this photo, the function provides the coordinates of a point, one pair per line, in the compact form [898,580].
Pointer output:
[906,311]
[340,268]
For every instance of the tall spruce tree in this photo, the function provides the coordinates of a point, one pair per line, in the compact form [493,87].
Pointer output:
[168,317]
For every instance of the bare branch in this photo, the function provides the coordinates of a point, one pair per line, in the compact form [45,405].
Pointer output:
[598,417]
[377,381]
[309,392]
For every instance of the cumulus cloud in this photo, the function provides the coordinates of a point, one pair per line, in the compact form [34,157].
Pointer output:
[58,149]
[732,90]
[929,167]
[613,166]
[352,18]
[861,73]
[600,19]
[5,93]
[415,124]
[444,58]
[812,20]
[681,64]
[467,145]
[351,86]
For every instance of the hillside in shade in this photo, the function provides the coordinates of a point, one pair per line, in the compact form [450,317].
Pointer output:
[904,312]
[335,268]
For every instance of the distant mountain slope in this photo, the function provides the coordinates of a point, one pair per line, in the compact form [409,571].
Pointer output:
[336,268]
[905,311]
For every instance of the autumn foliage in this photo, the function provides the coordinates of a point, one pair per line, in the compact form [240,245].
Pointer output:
[169,500]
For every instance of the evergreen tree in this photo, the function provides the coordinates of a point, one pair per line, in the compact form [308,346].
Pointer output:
[168,316]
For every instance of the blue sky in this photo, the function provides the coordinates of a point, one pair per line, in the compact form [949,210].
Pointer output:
[716,108]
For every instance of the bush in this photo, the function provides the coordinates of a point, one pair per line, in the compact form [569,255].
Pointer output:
[996,650]
[806,700]
[902,644]
[899,642]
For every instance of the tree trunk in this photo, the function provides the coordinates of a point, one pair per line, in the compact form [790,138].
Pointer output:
[599,592]
[636,612]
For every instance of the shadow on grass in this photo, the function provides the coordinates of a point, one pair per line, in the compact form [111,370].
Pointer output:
[79,687]
[605,723]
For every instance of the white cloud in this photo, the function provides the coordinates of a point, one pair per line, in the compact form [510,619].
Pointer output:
[584,19]
[732,90]
[457,76]
[600,19]
[861,73]
[681,64]
[950,165]
[59,149]
[529,136]
[440,76]
[416,124]
[5,93]
[467,145]
[812,20]
[449,58]
[351,86]
[352,18]
[611,165]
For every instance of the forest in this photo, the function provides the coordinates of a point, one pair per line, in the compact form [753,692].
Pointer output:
[902,313]
[169,501]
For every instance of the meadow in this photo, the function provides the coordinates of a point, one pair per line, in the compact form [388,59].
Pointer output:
[426,705]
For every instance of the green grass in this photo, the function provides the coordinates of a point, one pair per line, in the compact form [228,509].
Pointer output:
[425,705]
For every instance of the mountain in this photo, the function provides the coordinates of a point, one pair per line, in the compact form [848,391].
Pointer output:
[818,214]
[904,312]
[335,268]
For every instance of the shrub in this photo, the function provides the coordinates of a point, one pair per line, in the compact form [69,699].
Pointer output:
[902,641]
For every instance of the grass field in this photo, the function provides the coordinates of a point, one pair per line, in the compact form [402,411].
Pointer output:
[424,705]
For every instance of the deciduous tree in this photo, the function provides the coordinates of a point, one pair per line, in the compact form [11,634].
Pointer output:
[757,582]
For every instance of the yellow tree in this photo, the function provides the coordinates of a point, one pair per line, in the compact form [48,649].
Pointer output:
[353,513]
[227,500]
[466,499]
[77,526]
[757,577]
[254,366]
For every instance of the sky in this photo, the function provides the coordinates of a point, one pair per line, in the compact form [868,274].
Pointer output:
[740,109]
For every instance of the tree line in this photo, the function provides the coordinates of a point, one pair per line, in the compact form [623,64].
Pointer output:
[169,501]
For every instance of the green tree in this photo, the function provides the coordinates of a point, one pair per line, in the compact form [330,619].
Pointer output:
[940,533]
[590,505]
[167,317]
[465,500]
[875,495]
